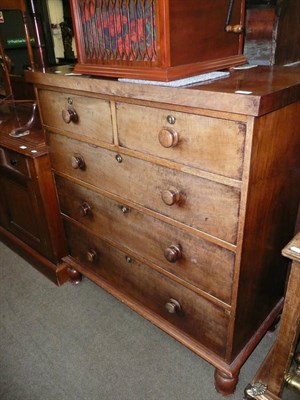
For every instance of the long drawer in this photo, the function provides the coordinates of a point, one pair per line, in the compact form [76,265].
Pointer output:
[82,116]
[190,313]
[200,203]
[203,264]
[212,144]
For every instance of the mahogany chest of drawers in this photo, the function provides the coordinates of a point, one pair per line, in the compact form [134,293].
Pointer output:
[178,201]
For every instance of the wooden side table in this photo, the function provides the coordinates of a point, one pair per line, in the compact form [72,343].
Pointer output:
[276,369]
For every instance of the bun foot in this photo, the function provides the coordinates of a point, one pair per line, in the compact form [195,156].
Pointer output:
[74,275]
[225,384]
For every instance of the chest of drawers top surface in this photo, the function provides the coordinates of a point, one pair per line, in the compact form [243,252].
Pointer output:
[255,91]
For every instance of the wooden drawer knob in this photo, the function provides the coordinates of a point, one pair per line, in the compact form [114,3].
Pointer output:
[171,196]
[13,162]
[85,210]
[78,161]
[173,306]
[92,256]
[69,115]
[173,253]
[168,137]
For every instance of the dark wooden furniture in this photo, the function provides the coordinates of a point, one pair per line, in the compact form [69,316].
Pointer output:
[178,201]
[274,372]
[157,39]
[29,215]
[272,36]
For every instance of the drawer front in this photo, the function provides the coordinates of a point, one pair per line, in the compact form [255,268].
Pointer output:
[205,265]
[92,119]
[15,162]
[199,318]
[214,145]
[203,204]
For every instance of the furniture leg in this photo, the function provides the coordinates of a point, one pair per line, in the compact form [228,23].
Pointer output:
[225,383]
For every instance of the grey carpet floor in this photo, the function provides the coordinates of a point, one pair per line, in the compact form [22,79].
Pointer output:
[80,343]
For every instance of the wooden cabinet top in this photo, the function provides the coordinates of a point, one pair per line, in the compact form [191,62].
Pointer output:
[254,91]
[32,145]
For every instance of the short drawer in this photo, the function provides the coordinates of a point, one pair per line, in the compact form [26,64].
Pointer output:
[15,162]
[211,144]
[193,314]
[81,116]
[200,203]
[202,264]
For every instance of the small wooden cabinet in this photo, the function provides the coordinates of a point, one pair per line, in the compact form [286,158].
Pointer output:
[157,39]
[29,216]
[178,201]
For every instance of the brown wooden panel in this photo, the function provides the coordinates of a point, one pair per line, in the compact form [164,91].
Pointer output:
[271,215]
[204,204]
[93,115]
[197,30]
[260,23]
[212,144]
[20,208]
[198,317]
[203,264]
[287,35]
